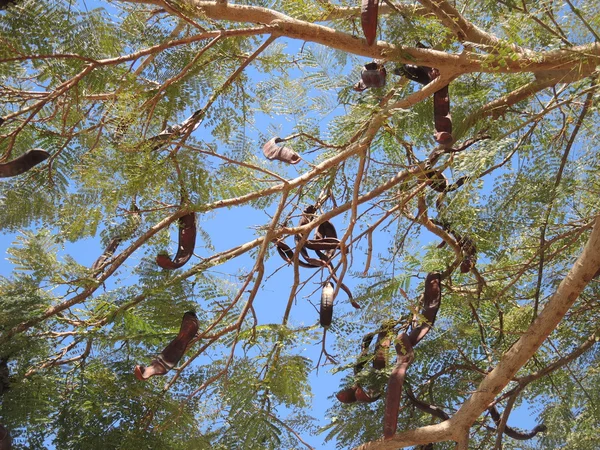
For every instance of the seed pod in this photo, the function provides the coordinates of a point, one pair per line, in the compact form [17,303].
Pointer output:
[108,252]
[326,310]
[369,12]
[365,396]
[396,382]
[381,347]
[373,75]
[420,74]
[187,243]
[173,352]
[285,154]
[515,434]
[23,163]
[347,395]
[441,117]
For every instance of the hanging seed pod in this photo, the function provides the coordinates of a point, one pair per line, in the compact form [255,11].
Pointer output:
[381,347]
[515,434]
[285,154]
[347,395]
[365,396]
[373,75]
[369,12]
[187,243]
[441,117]
[23,163]
[395,384]
[420,74]
[173,352]
[326,310]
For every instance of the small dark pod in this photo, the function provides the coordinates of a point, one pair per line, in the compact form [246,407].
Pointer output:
[187,242]
[326,310]
[23,163]
[373,75]
[173,352]
[369,12]
[347,395]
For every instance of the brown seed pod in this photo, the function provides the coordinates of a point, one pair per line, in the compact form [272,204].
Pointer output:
[187,243]
[369,12]
[373,75]
[347,395]
[108,252]
[23,163]
[285,154]
[326,310]
[367,396]
[396,382]
[515,434]
[173,352]
[441,117]
[381,347]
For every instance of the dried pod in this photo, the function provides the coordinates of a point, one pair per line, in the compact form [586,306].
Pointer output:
[285,154]
[365,396]
[5,440]
[395,384]
[420,74]
[347,395]
[326,310]
[108,252]
[515,434]
[187,243]
[381,348]
[23,163]
[373,75]
[441,117]
[364,351]
[173,352]
[369,12]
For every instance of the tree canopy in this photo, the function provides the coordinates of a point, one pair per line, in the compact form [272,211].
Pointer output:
[242,196]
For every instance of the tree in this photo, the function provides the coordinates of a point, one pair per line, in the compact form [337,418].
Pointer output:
[153,115]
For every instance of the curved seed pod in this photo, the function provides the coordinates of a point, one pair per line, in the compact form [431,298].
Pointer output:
[365,396]
[373,75]
[515,434]
[326,310]
[381,347]
[396,382]
[347,395]
[173,352]
[285,154]
[187,242]
[431,304]
[108,252]
[23,163]
[441,117]
[359,86]
[435,411]
[369,12]
[287,254]
[363,357]
[420,74]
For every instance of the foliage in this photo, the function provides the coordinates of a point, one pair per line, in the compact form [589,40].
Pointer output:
[98,84]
